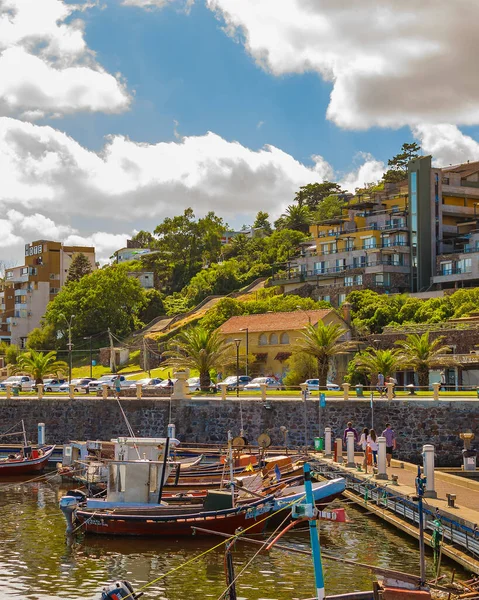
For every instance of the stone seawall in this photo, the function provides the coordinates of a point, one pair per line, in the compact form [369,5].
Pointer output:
[416,422]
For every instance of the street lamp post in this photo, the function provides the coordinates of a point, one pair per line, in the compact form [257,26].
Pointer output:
[91,355]
[70,345]
[305,312]
[247,349]
[237,343]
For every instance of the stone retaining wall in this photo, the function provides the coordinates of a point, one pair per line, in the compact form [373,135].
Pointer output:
[416,422]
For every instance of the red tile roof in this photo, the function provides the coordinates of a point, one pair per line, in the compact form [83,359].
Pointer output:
[279,321]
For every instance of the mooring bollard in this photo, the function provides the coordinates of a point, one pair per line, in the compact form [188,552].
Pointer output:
[40,391]
[171,429]
[338,450]
[41,434]
[350,448]
[382,472]
[8,389]
[390,390]
[263,387]
[328,451]
[223,387]
[104,392]
[346,387]
[71,391]
[428,465]
[435,390]
[139,390]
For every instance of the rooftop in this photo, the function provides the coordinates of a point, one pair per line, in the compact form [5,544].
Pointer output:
[286,321]
[464,169]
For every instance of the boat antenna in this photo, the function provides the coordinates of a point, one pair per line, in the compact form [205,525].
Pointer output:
[24,433]
[130,429]
[230,461]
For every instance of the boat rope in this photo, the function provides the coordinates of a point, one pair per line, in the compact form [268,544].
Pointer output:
[14,433]
[198,556]
[130,429]
[39,479]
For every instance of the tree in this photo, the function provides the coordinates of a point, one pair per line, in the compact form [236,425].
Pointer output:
[201,349]
[329,208]
[153,306]
[301,366]
[420,353]
[144,239]
[399,163]
[296,217]
[42,338]
[79,267]
[262,222]
[11,354]
[313,194]
[39,364]
[372,362]
[323,342]
[107,298]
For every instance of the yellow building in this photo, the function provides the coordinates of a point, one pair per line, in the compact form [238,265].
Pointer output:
[269,339]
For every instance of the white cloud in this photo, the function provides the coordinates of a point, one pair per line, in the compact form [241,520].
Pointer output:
[369,171]
[46,67]
[149,4]
[390,63]
[447,144]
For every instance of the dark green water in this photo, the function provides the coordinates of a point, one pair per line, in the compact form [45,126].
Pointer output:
[36,562]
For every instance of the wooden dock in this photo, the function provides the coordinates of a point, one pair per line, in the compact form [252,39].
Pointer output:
[394,503]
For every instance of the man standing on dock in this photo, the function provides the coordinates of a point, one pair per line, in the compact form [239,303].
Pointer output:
[347,430]
[390,436]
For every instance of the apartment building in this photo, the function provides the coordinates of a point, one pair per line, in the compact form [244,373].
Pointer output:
[134,252]
[28,289]
[416,235]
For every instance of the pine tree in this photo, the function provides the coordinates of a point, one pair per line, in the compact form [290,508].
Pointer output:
[79,267]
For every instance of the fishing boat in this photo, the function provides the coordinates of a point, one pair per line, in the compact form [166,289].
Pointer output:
[26,462]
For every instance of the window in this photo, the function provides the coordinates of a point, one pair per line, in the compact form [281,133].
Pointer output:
[464,265]
[382,279]
[348,281]
[273,338]
[24,271]
[324,248]
[9,274]
[262,340]
[359,261]
[386,241]
[369,242]
[284,339]
[349,244]
[340,264]
[358,280]
[33,271]
[446,268]
[395,208]
[341,298]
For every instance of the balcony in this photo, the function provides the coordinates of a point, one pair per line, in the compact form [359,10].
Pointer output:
[393,244]
[21,305]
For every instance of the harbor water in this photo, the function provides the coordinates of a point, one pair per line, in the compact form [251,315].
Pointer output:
[38,562]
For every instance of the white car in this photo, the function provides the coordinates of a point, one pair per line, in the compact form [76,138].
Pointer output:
[313,385]
[193,384]
[271,383]
[97,384]
[148,381]
[53,385]
[23,382]
[232,381]
[166,383]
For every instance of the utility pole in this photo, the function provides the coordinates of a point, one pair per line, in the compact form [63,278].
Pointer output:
[112,352]
[146,359]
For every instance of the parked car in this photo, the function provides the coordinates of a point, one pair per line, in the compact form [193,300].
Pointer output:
[313,384]
[24,382]
[148,381]
[81,384]
[53,385]
[271,383]
[96,385]
[232,382]
[166,383]
[193,384]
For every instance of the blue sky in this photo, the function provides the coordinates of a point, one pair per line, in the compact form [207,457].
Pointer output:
[183,67]
[292,91]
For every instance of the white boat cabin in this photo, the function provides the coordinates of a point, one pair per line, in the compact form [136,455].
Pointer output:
[127,448]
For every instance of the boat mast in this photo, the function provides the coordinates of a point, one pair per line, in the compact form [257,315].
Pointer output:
[230,460]
[313,534]
[24,434]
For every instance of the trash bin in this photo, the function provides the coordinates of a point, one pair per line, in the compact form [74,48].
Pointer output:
[359,390]
[319,444]
[15,390]
[469,458]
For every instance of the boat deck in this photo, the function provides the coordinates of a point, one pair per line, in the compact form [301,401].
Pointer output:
[394,503]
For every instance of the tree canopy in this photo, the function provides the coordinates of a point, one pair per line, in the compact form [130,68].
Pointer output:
[79,267]
[313,194]
[398,163]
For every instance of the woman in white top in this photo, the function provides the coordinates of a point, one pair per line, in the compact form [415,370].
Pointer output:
[373,444]
[363,442]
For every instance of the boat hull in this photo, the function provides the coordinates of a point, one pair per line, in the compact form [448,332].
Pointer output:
[12,468]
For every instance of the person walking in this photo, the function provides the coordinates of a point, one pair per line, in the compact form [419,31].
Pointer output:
[117,387]
[349,428]
[363,442]
[380,385]
[394,382]
[390,436]
[373,444]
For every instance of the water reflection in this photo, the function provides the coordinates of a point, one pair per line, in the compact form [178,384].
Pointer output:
[39,562]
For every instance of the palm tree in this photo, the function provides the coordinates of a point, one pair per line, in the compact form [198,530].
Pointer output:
[295,217]
[201,349]
[422,354]
[373,362]
[39,364]
[323,342]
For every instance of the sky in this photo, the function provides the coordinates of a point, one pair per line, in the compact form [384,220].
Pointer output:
[117,113]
